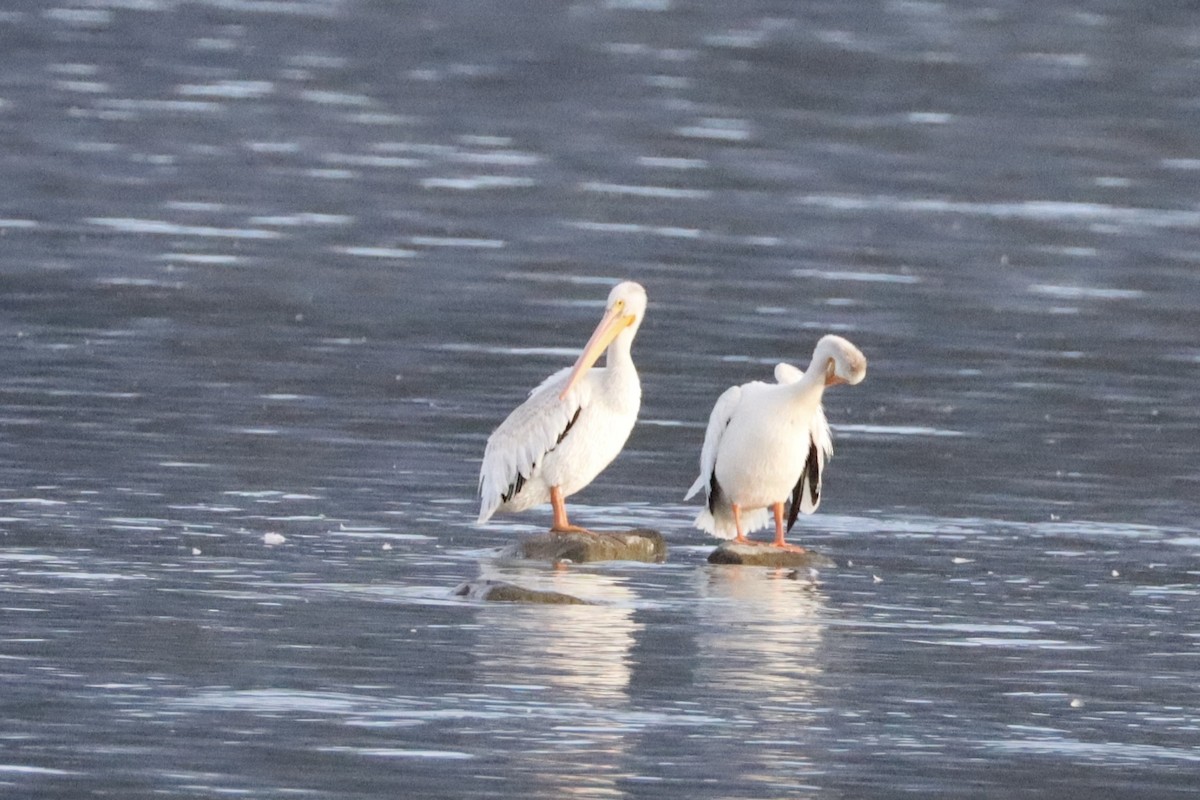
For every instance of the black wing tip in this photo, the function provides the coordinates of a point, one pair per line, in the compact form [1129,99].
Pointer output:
[813,468]
[714,493]
[513,488]
[794,506]
[810,477]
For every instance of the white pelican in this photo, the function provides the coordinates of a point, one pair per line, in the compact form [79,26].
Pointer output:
[572,426]
[767,444]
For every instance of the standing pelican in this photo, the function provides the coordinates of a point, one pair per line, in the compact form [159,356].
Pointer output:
[768,443]
[573,425]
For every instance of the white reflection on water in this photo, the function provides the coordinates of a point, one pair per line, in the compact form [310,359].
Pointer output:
[894,430]
[461,347]
[664,192]
[668,231]
[227,89]
[567,656]
[758,638]
[663,162]
[759,632]
[1106,752]
[377,252]
[1039,210]
[1084,292]
[1017,643]
[583,649]
[477,182]
[156,226]
[392,752]
[859,277]
[725,130]
[26,769]
[457,241]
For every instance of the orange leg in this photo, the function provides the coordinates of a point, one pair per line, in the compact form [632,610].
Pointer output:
[737,522]
[779,542]
[561,525]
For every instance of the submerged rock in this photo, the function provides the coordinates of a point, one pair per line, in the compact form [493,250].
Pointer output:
[579,548]
[503,592]
[764,555]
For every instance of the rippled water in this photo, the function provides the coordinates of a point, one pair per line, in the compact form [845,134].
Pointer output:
[275,268]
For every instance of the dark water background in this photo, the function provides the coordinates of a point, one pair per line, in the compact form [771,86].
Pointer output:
[278,267]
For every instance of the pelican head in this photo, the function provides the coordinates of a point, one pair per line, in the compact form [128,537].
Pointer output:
[623,312]
[628,300]
[839,361]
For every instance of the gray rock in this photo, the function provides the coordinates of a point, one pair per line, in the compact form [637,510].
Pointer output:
[579,548]
[503,592]
[764,555]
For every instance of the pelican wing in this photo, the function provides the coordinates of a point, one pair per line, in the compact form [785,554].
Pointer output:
[518,445]
[786,373]
[806,496]
[718,420]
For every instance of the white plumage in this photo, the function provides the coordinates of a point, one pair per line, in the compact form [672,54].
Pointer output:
[573,425]
[766,445]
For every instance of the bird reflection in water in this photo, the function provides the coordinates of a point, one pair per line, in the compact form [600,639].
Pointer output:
[759,640]
[562,674]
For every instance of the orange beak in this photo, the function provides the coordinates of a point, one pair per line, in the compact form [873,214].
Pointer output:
[613,323]
[831,376]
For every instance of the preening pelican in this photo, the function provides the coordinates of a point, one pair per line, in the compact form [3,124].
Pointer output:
[573,425]
[766,445]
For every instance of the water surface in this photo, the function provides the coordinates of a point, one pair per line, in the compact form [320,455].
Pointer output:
[276,268]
